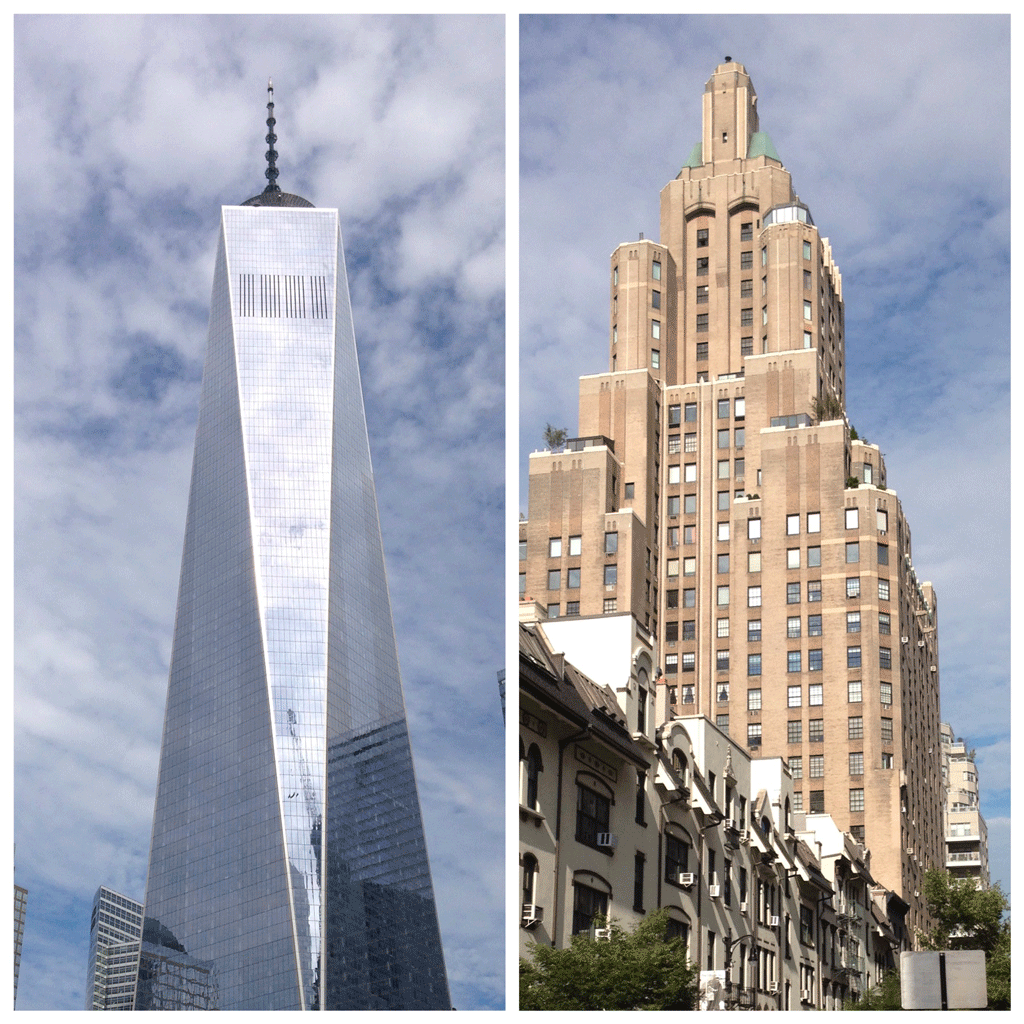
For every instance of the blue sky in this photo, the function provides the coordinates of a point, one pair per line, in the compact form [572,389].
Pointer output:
[132,134]
[896,131]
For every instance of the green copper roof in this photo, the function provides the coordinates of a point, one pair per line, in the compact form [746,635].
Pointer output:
[696,158]
[761,145]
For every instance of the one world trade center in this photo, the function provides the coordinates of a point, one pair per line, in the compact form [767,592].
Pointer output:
[288,868]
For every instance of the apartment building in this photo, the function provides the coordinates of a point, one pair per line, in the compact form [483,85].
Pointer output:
[964,827]
[717,493]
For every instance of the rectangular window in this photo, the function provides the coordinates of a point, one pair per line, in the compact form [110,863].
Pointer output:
[655,359]
[794,696]
[814,659]
[702,237]
[792,525]
[740,408]
[554,578]
[628,492]
[853,622]
[555,547]
[814,591]
[817,801]
[723,469]
[796,767]
[702,266]
[816,766]
[885,657]
[672,505]
[676,859]
[794,732]
[689,503]
[814,625]
[754,734]
[723,438]
[856,799]
[792,558]
[798,803]
[689,662]
[887,760]
[807,250]
[522,584]
[887,730]
[746,260]
[739,468]
[808,340]
[690,412]
[671,664]
[753,597]
[746,346]
[690,566]
[722,627]
[753,664]
[702,323]
[815,695]
[854,691]
[674,415]
[690,598]
[747,317]
[689,629]
[853,657]
[883,623]
[656,270]
[754,700]
[754,529]
[671,631]
[853,586]
[655,328]
[807,310]
[673,474]
[574,579]
[723,563]
[575,545]
[753,630]
[689,473]
[572,607]
[816,730]
[852,518]
[723,531]
[792,593]
[814,522]
[611,542]
[723,596]
[672,598]
[722,661]
[852,553]
[746,231]
[609,605]
[671,567]
[702,351]
[655,300]
[611,575]
[883,554]
[883,590]
[882,519]
[723,501]
[792,661]
[855,728]
[793,627]
[807,280]
[740,437]
[593,812]
[857,763]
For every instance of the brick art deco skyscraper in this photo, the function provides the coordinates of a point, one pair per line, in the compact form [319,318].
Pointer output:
[288,856]
[719,495]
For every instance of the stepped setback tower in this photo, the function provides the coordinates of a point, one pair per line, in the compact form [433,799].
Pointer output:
[288,855]
[718,493]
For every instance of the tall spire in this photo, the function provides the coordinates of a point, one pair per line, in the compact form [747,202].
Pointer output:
[271,171]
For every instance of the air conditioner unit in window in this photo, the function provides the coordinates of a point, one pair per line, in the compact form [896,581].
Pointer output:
[773,986]
[773,921]
[687,878]
[806,996]
[714,891]
[532,915]
[920,643]
[607,839]
[743,906]
[603,933]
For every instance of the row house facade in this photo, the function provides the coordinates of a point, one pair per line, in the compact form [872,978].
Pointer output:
[620,816]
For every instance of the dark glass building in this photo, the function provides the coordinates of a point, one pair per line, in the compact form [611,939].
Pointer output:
[288,868]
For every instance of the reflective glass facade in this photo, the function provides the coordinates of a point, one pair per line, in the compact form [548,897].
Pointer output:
[288,860]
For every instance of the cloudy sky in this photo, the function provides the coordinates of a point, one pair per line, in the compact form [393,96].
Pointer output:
[896,131]
[132,132]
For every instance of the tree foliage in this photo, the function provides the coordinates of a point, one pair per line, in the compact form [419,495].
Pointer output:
[638,970]
[970,918]
[884,996]
[826,408]
[555,437]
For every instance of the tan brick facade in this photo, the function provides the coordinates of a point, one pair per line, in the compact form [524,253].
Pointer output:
[754,534]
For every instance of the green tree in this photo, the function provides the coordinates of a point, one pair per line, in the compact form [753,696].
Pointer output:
[884,996]
[827,408]
[970,918]
[638,970]
[555,437]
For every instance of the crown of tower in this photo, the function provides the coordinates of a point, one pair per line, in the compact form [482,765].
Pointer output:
[272,194]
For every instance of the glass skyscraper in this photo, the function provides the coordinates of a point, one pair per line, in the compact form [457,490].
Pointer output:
[288,855]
